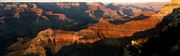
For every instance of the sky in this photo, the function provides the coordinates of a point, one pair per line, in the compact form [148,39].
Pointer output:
[85,0]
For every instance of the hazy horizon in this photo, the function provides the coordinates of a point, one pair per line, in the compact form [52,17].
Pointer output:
[86,1]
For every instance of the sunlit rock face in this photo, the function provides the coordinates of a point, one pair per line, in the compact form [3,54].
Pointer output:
[50,41]
[175,1]
[44,39]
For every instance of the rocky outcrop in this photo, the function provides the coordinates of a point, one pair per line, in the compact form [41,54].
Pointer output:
[48,42]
